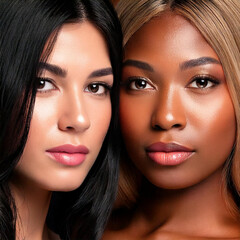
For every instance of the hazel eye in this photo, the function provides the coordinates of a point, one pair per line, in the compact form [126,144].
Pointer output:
[44,85]
[139,84]
[203,82]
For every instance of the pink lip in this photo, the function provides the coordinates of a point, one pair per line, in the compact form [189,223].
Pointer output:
[69,155]
[168,154]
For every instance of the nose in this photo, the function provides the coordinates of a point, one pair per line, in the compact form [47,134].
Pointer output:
[73,114]
[168,111]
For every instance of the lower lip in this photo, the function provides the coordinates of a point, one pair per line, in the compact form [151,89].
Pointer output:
[69,159]
[169,158]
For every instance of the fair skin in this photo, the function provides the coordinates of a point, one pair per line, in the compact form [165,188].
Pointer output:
[72,111]
[178,124]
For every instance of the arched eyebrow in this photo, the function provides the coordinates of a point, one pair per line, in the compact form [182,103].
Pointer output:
[52,68]
[63,73]
[101,72]
[198,62]
[138,64]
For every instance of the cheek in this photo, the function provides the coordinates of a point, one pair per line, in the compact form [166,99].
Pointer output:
[134,117]
[219,131]
[100,117]
[43,122]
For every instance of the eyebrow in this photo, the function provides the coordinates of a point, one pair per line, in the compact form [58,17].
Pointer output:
[138,64]
[53,69]
[101,73]
[198,62]
[62,72]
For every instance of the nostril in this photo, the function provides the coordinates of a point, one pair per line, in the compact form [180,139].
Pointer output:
[177,126]
[157,127]
[69,128]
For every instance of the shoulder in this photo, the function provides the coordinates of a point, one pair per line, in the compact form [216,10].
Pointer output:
[53,236]
[162,235]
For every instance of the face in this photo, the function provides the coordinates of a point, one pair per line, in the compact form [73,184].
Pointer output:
[72,110]
[177,117]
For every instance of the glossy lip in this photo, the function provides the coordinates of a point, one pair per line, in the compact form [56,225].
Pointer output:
[168,154]
[68,154]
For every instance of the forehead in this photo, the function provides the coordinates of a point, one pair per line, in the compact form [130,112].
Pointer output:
[167,34]
[80,36]
[79,48]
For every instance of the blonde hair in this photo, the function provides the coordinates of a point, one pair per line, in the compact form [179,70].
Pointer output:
[219,23]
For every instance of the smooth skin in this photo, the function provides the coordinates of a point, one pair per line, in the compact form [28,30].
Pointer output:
[115,2]
[72,106]
[174,91]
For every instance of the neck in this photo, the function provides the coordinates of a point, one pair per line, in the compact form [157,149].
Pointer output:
[32,205]
[191,210]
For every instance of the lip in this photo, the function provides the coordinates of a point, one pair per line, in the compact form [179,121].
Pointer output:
[68,154]
[168,154]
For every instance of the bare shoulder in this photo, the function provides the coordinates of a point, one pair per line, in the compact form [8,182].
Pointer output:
[53,236]
[115,235]
[158,235]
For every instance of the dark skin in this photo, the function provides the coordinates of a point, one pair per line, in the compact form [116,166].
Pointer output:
[174,91]
[115,2]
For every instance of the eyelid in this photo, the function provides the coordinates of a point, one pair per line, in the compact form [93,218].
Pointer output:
[48,80]
[207,77]
[131,79]
[102,83]
[106,86]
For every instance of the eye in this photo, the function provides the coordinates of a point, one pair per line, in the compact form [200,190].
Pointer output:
[44,85]
[138,83]
[203,82]
[98,88]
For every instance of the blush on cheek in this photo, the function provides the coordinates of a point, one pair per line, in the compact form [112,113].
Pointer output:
[219,132]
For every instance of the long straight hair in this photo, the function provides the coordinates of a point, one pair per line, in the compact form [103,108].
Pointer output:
[26,27]
[218,21]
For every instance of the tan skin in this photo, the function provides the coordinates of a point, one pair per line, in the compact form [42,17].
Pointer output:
[174,91]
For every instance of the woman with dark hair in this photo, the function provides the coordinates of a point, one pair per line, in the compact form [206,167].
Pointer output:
[59,69]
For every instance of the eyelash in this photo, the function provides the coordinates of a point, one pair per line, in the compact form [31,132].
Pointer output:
[207,78]
[106,86]
[134,79]
[45,80]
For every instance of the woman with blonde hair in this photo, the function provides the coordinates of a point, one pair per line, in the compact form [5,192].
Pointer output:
[180,121]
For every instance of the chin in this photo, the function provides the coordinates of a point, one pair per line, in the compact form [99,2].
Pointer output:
[68,188]
[173,183]
[64,186]
[62,183]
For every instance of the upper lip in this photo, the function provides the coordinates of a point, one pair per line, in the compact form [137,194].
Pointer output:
[167,147]
[68,148]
